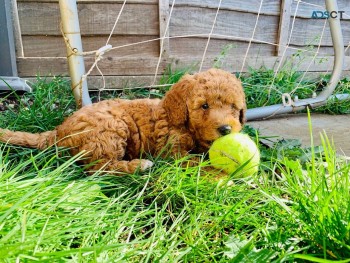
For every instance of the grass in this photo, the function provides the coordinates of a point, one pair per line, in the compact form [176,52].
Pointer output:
[42,110]
[297,208]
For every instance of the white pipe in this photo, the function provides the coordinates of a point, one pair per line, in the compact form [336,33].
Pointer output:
[321,99]
[270,111]
[340,97]
[71,31]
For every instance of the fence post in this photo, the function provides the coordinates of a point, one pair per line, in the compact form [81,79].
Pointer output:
[71,31]
[283,29]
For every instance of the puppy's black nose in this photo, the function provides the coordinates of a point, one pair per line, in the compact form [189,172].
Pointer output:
[224,129]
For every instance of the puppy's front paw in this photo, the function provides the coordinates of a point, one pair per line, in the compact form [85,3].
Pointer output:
[145,164]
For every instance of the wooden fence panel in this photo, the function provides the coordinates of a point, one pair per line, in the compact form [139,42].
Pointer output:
[54,46]
[95,19]
[142,35]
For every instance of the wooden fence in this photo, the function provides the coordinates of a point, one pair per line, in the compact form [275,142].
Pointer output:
[265,29]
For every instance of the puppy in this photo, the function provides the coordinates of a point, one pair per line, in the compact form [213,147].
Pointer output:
[117,134]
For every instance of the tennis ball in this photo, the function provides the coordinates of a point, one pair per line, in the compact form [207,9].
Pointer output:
[233,151]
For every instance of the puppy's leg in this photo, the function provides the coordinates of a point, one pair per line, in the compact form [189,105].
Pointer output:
[123,166]
[181,143]
[106,148]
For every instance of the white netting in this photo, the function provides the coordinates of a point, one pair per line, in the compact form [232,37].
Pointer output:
[286,48]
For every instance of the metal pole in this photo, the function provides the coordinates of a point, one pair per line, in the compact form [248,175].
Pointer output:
[9,79]
[321,99]
[71,31]
[338,46]
[8,65]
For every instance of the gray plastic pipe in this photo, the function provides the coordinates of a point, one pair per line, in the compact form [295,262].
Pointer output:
[321,99]
[71,31]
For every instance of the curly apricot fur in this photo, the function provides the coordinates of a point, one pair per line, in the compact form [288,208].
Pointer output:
[115,134]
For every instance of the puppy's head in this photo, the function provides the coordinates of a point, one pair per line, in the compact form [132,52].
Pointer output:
[209,104]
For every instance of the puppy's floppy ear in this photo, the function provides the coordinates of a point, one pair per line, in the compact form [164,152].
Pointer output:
[174,101]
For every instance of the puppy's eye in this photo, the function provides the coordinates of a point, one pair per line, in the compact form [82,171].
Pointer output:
[233,106]
[205,106]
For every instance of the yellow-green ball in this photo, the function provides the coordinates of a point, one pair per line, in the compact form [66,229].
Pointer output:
[235,150]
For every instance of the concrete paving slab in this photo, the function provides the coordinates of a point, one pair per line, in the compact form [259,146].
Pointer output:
[296,126]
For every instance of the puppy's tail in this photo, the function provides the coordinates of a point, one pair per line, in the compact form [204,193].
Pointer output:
[26,139]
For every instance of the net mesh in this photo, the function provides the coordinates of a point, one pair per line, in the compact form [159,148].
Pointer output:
[289,55]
